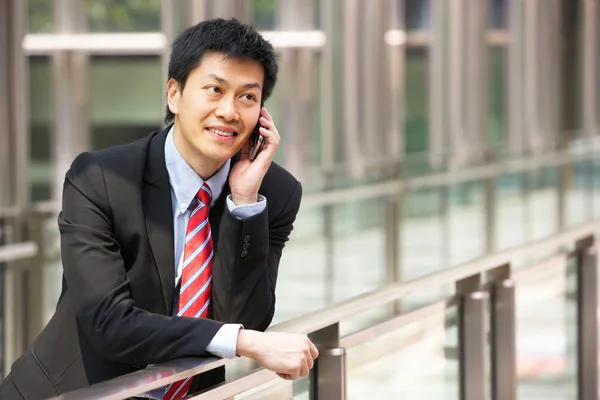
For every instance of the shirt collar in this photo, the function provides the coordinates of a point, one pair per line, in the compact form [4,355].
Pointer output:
[185,182]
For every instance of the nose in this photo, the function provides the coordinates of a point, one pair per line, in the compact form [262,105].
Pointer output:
[227,110]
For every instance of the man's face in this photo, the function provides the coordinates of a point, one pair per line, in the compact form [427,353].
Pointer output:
[218,108]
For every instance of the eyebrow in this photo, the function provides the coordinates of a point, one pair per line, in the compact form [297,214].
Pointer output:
[253,85]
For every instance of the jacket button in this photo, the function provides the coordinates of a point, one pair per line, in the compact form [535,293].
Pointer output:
[244,253]
[245,246]
[246,238]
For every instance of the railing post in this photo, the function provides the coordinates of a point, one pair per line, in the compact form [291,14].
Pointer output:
[472,338]
[503,334]
[587,319]
[328,376]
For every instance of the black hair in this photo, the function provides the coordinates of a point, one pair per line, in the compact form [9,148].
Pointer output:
[227,36]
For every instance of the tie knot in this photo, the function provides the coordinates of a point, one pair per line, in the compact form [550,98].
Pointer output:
[204,194]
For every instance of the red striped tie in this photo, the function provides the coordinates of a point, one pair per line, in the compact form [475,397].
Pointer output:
[196,275]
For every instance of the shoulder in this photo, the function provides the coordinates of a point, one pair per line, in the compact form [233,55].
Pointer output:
[121,160]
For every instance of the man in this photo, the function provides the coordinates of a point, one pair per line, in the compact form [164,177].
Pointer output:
[171,244]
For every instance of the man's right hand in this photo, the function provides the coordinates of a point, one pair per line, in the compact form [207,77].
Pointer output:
[289,355]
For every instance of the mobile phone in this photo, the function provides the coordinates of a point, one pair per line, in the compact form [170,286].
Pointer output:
[256,140]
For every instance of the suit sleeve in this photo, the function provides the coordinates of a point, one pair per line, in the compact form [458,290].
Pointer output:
[99,287]
[247,263]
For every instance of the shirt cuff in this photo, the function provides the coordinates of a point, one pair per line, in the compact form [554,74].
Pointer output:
[247,210]
[224,343]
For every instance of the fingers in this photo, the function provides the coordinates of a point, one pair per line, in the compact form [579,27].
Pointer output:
[287,377]
[266,120]
[270,125]
[314,352]
[309,360]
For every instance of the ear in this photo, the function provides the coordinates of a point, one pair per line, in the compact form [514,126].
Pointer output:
[173,95]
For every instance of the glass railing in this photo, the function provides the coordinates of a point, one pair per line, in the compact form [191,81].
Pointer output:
[353,240]
[501,332]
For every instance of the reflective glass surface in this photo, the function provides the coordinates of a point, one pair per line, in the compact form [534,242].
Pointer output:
[123,15]
[41,117]
[392,367]
[546,335]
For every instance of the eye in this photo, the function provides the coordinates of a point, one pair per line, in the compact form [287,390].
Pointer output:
[214,89]
[249,96]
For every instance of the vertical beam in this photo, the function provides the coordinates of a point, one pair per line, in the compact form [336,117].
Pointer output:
[456,85]
[354,161]
[503,335]
[70,90]
[396,60]
[328,12]
[328,377]
[515,77]
[167,27]
[197,10]
[475,72]
[587,319]
[437,100]
[472,338]
[239,9]
[490,210]
[395,54]
[589,68]
[297,70]
[371,77]
[14,163]
[531,83]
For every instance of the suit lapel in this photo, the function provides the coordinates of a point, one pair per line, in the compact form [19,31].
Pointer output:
[158,212]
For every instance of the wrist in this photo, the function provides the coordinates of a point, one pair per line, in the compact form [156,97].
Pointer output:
[240,200]
[247,343]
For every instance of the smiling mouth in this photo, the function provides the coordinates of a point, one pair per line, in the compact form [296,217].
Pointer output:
[222,133]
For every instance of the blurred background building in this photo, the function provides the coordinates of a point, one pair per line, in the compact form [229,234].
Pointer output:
[426,133]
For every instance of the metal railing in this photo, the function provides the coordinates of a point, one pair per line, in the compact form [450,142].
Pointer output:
[490,279]
[37,251]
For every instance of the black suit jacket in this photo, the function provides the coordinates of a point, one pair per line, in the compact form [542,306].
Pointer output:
[114,312]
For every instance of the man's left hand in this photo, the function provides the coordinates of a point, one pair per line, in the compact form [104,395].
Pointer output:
[246,176]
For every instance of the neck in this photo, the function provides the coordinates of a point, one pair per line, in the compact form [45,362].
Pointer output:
[204,167]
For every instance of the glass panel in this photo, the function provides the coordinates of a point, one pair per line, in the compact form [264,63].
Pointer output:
[52,268]
[497,14]
[546,335]
[578,193]
[263,14]
[295,108]
[417,14]
[123,15]
[40,16]
[303,267]
[510,211]
[40,112]
[467,222]
[596,185]
[278,390]
[392,367]
[543,202]
[417,110]
[423,243]
[497,98]
[125,99]
[358,252]
[358,256]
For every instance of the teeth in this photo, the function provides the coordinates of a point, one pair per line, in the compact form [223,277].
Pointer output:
[221,133]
